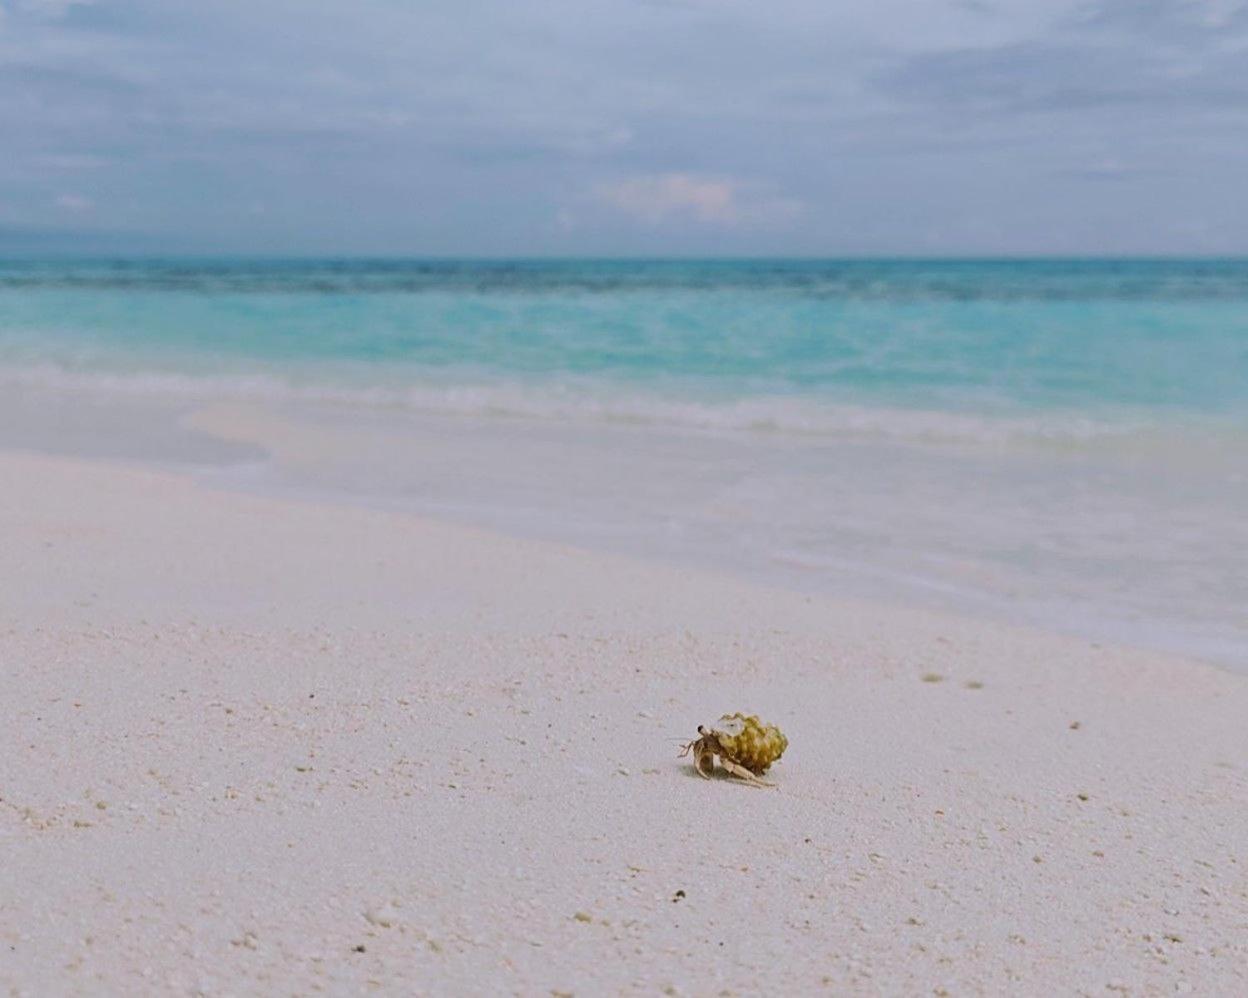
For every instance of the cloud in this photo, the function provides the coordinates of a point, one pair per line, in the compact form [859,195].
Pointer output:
[74,161]
[669,126]
[50,9]
[1146,55]
[1163,18]
[658,198]
[1106,169]
[74,202]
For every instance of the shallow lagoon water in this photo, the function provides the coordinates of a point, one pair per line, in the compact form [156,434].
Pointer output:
[1059,442]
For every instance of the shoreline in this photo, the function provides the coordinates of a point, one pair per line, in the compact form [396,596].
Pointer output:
[264,745]
[1136,547]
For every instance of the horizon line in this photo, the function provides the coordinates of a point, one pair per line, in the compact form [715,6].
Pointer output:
[264,256]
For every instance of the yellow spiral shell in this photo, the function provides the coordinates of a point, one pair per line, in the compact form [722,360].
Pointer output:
[748,742]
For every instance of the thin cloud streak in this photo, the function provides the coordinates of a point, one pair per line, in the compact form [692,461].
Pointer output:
[719,201]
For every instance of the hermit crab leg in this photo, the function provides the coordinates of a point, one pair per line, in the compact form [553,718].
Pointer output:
[743,773]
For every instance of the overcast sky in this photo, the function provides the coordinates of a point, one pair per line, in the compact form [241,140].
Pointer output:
[656,127]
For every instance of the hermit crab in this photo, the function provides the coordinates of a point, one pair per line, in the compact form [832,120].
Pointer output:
[745,746]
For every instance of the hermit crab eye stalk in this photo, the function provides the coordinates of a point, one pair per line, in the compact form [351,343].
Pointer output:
[744,745]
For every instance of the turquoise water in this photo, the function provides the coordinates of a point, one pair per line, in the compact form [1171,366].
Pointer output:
[795,342]
[1058,442]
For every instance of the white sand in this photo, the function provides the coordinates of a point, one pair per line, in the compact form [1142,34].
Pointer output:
[242,739]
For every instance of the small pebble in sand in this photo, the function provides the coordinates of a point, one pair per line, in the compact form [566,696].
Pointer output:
[1082,796]
[1075,725]
[383,917]
[583,916]
[358,949]
[677,896]
[974,684]
[248,940]
[933,677]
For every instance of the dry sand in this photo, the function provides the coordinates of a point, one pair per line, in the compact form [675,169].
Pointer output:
[256,746]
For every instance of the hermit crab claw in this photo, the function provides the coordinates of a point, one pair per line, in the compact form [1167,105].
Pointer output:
[703,749]
[703,758]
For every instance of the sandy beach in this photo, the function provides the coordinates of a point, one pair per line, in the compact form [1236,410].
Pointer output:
[261,746]
[425,428]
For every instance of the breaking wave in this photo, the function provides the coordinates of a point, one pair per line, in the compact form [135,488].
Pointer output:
[593,401]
